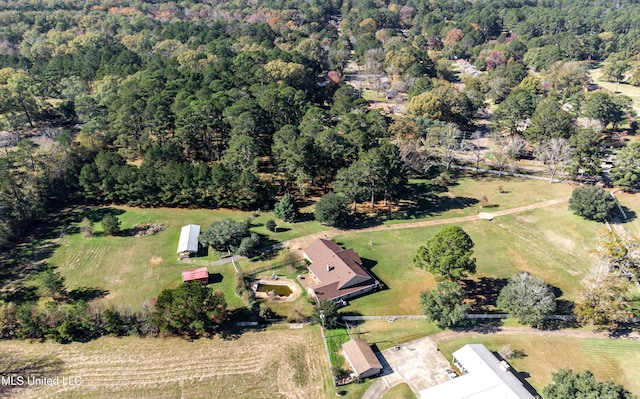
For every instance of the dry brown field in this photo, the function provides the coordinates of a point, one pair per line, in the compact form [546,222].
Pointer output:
[275,363]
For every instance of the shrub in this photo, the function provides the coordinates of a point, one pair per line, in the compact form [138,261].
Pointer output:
[270,225]
[110,225]
[286,208]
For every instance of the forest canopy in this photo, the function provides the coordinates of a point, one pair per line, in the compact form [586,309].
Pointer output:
[233,104]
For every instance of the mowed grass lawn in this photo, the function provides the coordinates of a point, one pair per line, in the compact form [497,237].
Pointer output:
[623,88]
[549,242]
[274,363]
[135,269]
[385,334]
[463,197]
[610,360]
[400,391]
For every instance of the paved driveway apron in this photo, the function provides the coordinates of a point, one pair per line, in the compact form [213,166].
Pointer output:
[418,363]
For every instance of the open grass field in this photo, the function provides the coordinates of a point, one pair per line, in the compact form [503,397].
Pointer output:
[271,363]
[623,88]
[133,269]
[550,242]
[608,359]
[463,198]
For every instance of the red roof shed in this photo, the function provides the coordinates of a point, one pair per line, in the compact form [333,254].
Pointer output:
[201,274]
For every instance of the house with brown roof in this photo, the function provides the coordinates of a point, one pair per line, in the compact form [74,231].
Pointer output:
[339,272]
[361,358]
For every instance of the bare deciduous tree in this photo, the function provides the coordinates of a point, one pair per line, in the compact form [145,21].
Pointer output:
[503,150]
[474,147]
[444,140]
[556,154]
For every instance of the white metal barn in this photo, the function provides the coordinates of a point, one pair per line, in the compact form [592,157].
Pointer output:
[484,377]
[188,242]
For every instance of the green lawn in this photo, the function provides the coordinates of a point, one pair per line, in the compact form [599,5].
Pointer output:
[385,334]
[623,88]
[608,359]
[335,338]
[134,269]
[400,391]
[462,198]
[549,242]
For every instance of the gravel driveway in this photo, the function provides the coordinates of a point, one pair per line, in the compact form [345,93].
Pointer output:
[418,363]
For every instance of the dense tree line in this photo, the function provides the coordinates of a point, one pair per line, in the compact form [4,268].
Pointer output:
[189,310]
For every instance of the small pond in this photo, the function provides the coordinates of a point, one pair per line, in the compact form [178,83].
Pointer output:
[282,290]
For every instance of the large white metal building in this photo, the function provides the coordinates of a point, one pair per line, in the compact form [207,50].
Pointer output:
[484,377]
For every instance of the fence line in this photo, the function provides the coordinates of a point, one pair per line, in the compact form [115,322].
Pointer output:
[624,215]
[514,174]
[391,318]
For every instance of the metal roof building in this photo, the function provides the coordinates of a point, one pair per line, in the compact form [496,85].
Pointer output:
[201,274]
[485,377]
[188,242]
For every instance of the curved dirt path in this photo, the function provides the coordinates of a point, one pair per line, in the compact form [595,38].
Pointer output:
[301,242]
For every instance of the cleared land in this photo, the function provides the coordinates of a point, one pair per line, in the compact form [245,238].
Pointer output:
[133,269]
[130,270]
[550,242]
[272,363]
[609,360]
[464,197]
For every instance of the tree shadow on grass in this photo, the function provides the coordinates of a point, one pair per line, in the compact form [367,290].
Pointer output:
[94,214]
[215,278]
[480,326]
[20,294]
[87,294]
[560,324]
[483,292]
[426,199]
[20,264]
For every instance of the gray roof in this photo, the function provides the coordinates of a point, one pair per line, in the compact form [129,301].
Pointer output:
[189,238]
